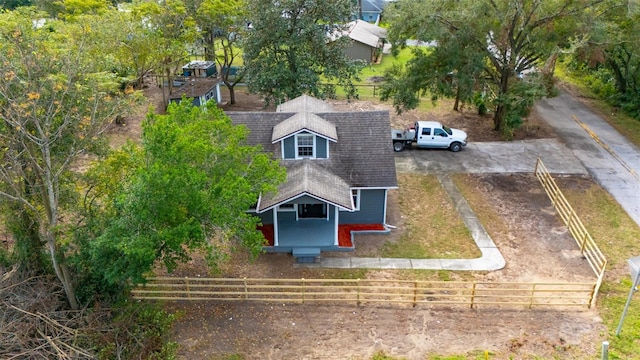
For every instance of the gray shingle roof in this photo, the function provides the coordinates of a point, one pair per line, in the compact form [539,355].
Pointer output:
[304,177]
[366,33]
[304,103]
[362,157]
[304,121]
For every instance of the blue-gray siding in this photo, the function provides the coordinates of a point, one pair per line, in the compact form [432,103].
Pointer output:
[289,148]
[266,217]
[321,148]
[371,209]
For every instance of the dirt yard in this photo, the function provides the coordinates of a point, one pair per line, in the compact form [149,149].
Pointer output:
[527,231]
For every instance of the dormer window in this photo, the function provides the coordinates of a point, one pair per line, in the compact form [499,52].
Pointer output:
[305,145]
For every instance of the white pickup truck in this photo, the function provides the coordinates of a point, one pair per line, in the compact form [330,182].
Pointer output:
[429,134]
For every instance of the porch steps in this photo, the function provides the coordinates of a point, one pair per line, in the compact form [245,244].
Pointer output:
[306,255]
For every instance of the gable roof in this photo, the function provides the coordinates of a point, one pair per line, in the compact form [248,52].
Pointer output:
[306,178]
[361,158]
[366,33]
[304,121]
[304,103]
[375,6]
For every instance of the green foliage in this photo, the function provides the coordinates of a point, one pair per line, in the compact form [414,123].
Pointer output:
[380,355]
[480,47]
[139,331]
[609,63]
[518,102]
[55,105]
[193,180]
[288,54]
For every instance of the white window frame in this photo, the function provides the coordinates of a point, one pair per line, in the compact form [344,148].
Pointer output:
[313,146]
[294,207]
[356,203]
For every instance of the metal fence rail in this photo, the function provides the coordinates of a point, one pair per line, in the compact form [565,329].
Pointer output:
[358,291]
[588,247]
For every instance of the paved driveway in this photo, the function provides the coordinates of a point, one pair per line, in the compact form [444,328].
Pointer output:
[492,157]
[587,145]
[610,158]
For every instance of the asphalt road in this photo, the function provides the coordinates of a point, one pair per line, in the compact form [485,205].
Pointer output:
[586,145]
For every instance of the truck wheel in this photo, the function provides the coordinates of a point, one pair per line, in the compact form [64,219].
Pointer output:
[398,146]
[455,147]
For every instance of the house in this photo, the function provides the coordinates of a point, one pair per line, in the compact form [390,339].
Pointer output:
[367,41]
[371,10]
[200,68]
[199,91]
[340,168]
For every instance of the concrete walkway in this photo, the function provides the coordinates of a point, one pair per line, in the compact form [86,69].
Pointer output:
[491,258]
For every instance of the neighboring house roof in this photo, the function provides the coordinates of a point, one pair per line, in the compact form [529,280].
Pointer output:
[304,121]
[374,6]
[366,33]
[193,88]
[360,158]
[304,177]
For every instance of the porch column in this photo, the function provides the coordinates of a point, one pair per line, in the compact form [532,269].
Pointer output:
[384,210]
[275,227]
[336,219]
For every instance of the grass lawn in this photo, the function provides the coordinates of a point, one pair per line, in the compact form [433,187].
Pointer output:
[432,226]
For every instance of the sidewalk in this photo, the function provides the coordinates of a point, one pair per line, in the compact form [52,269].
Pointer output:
[491,258]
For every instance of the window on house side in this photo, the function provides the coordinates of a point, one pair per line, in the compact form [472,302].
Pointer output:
[355,194]
[305,145]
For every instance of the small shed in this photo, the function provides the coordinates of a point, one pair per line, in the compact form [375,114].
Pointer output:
[367,41]
[200,69]
[198,91]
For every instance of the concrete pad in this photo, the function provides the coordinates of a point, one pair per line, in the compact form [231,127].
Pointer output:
[426,264]
[456,264]
[392,263]
[331,262]
[365,263]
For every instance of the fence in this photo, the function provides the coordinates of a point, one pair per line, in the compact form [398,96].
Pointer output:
[588,247]
[358,291]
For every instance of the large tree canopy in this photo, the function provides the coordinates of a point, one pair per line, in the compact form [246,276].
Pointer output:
[222,24]
[509,36]
[610,56]
[54,106]
[296,47]
[188,186]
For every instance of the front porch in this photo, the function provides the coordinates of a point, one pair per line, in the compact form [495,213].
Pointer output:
[345,237]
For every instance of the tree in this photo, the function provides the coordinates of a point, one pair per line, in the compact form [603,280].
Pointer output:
[172,28]
[222,24]
[297,47]
[187,187]
[512,36]
[609,57]
[53,108]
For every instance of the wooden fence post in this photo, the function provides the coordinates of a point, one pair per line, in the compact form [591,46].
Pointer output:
[186,281]
[246,291]
[303,290]
[584,242]
[533,293]
[415,292]
[358,292]
[473,294]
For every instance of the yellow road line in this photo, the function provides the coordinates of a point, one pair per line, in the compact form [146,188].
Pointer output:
[605,146]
